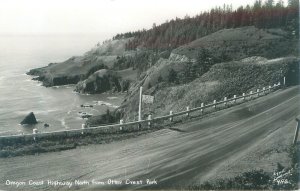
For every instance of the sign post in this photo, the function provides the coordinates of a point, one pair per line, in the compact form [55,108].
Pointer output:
[140,104]
[296,132]
[147,99]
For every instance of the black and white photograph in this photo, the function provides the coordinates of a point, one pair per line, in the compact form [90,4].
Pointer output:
[149,95]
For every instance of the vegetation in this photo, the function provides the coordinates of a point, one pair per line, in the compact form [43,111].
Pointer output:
[96,68]
[222,80]
[173,78]
[282,178]
[140,61]
[107,118]
[253,180]
[19,147]
[175,33]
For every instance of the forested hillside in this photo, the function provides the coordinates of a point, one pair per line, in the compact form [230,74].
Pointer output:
[177,32]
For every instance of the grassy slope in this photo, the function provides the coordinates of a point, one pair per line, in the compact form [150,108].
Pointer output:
[224,79]
[243,42]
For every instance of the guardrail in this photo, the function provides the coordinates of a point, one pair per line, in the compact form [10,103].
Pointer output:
[114,128]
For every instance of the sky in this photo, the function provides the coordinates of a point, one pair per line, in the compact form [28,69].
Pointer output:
[106,17]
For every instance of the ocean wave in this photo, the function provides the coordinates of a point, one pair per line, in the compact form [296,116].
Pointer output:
[35,111]
[6,133]
[63,123]
[68,86]
[106,104]
[110,98]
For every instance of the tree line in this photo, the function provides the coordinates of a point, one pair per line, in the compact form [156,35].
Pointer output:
[174,33]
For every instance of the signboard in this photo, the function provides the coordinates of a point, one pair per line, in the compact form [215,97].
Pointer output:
[147,99]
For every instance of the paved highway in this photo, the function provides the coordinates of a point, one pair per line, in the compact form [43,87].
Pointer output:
[174,159]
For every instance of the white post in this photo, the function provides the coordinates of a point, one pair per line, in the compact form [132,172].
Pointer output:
[270,88]
[234,98]
[257,92]
[244,96]
[34,131]
[149,122]
[121,122]
[264,90]
[225,101]
[278,83]
[171,118]
[187,109]
[284,80]
[251,92]
[202,105]
[140,104]
[296,132]
[215,104]
[82,127]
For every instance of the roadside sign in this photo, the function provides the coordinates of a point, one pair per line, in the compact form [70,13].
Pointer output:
[147,99]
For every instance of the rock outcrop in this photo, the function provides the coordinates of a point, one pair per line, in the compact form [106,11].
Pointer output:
[69,72]
[29,119]
[79,68]
[102,81]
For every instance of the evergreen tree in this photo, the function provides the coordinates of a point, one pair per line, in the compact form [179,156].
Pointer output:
[159,79]
[203,61]
[173,78]
[174,33]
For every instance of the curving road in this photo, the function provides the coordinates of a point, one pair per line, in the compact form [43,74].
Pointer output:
[174,159]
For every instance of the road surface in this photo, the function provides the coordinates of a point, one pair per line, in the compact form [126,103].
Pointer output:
[174,159]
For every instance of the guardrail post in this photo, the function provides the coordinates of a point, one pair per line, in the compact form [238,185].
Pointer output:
[83,126]
[171,113]
[244,96]
[284,80]
[215,104]
[250,96]
[202,107]
[296,132]
[149,122]
[34,131]
[234,98]
[257,92]
[121,122]
[264,90]
[225,101]
[270,87]
[188,109]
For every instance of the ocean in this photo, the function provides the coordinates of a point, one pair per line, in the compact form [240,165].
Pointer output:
[59,107]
